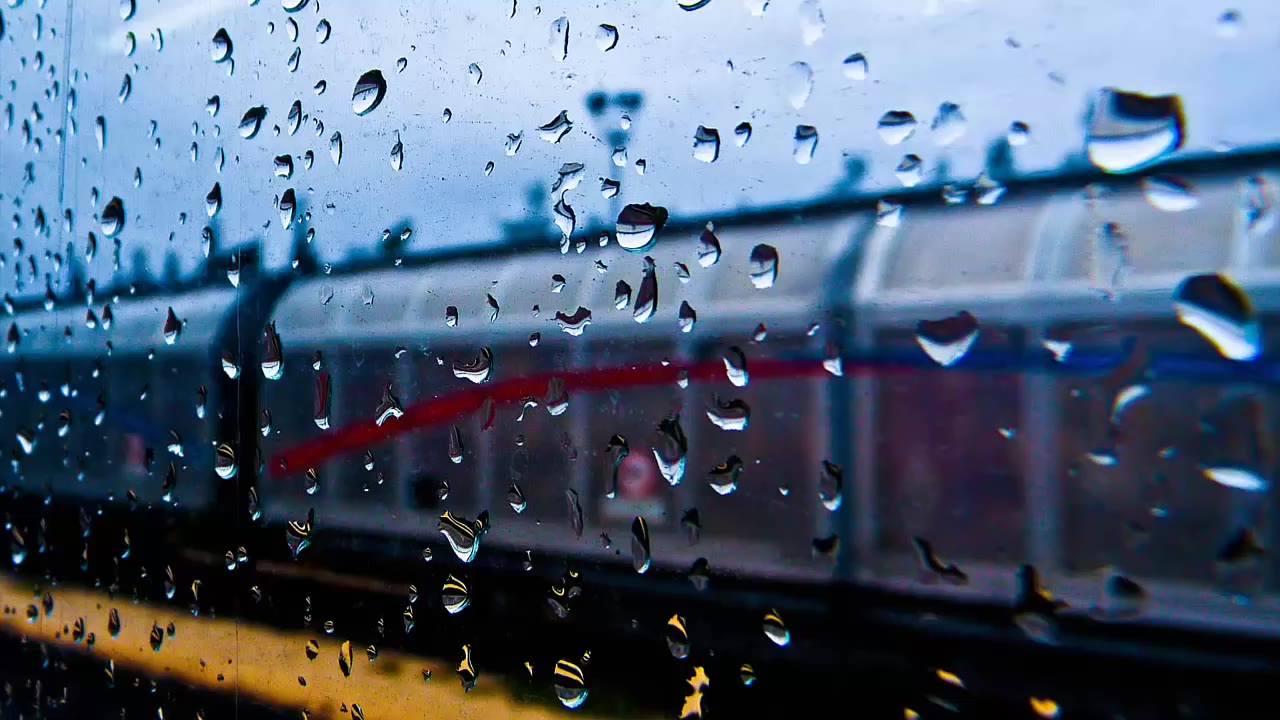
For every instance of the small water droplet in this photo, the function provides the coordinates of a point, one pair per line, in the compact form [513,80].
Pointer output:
[948,340]
[220,47]
[706,144]
[855,67]
[556,128]
[948,125]
[895,126]
[806,143]
[799,84]
[606,37]
[323,29]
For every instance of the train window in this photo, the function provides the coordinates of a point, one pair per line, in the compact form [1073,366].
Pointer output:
[927,254]
[768,473]
[1138,452]
[948,459]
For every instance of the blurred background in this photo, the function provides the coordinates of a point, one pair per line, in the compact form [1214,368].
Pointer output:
[680,358]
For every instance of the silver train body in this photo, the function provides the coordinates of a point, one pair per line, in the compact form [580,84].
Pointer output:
[992,466]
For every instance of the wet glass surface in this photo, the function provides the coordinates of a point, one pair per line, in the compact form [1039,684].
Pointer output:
[680,358]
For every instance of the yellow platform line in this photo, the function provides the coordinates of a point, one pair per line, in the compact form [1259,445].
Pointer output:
[264,663]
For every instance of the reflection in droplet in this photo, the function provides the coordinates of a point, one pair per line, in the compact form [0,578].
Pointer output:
[949,339]
[225,462]
[370,88]
[1127,131]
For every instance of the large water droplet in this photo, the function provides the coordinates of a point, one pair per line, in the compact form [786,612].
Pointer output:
[127,9]
[671,449]
[172,328]
[112,217]
[556,128]
[478,370]
[272,353]
[220,48]
[638,225]
[1221,312]
[895,126]
[948,125]
[799,84]
[640,555]
[775,630]
[805,144]
[948,340]
[831,486]
[647,299]
[251,122]
[731,415]
[706,144]
[323,29]
[368,93]
[560,38]
[763,266]
[1169,193]
[606,37]
[1127,131]
[462,535]
[855,67]
[723,478]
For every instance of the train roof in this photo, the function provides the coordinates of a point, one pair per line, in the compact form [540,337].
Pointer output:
[406,302]
[137,325]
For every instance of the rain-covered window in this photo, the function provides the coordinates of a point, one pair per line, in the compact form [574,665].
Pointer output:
[650,358]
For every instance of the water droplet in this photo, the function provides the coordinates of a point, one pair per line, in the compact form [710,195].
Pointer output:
[576,323]
[323,28]
[475,73]
[1169,193]
[479,369]
[272,353]
[948,340]
[910,170]
[691,5]
[113,622]
[812,23]
[1019,134]
[172,328]
[566,220]
[706,144]
[831,486]
[1229,23]
[723,478]
[686,317]
[112,217]
[1214,306]
[855,67]
[130,44]
[320,87]
[335,148]
[742,134]
[512,145]
[763,268]
[220,48]
[799,84]
[126,87]
[609,188]
[225,462]
[294,118]
[775,630]
[948,125]
[895,126]
[127,9]
[462,535]
[671,449]
[640,557]
[368,93]
[288,208]
[251,122]
[455,595]
[677,637]
[647,299]
[735,366]
[389,407]
[560,38]
[638,225]
[1109,260]
[606,37]
[1127,131]
[397,154]
[731,415]
[556,128]
[806,144]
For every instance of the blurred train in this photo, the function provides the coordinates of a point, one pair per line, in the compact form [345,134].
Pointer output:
[854,443]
